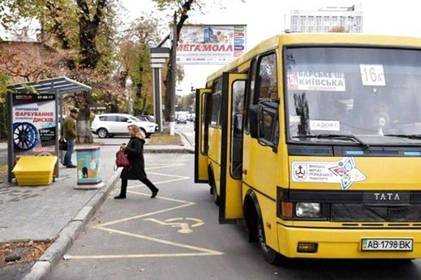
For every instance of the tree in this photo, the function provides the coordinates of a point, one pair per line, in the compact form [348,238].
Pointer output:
[187,102]
[181,15]
[89,23]
[83,29]
[134,56]
[14,57]
[4,80]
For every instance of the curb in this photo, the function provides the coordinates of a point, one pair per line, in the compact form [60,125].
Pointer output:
[147,150]
[189,146]
[70,232]
[183,135]
[169,151]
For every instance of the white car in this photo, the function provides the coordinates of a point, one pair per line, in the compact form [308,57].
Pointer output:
[108,125]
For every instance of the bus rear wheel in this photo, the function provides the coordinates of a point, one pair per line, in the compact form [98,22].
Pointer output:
[213,191]
[215,196]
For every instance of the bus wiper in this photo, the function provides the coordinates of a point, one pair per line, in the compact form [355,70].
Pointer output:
[409,136]
[336,136]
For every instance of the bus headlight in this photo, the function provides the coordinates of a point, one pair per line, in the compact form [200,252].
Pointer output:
[307,210]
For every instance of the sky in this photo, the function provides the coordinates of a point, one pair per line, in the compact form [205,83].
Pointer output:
[265,18]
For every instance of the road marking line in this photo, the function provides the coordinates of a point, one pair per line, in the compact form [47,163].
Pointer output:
[164,198]
[197,224]
[161,182]
[183,226]
[185,204]
[103,227]
[92,257]
[162,241]
[166,175]
[164,166]
[141,216]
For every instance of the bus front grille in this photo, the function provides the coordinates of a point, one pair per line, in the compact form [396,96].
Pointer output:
[378,215]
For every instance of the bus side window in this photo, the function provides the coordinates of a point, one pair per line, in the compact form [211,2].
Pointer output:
[249,98]
[206,117]
[267,84]
[267,96]
[216,103]
[216,110]
[237,113]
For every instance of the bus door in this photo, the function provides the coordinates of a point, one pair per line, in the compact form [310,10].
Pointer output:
[232,112]
[201,135]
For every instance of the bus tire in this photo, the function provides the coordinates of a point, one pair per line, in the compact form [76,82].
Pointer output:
[215,196]
[210,180]
[251,218]
[213,191]
[270,255]
[256,229]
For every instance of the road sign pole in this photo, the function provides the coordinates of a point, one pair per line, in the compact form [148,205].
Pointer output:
[159,57]
[10,146]
[173,76]
[157,97]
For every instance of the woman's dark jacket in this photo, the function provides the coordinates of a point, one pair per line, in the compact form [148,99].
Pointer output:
[134,152]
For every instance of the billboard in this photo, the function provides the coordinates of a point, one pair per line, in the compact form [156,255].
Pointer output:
[34,123]
[211,44]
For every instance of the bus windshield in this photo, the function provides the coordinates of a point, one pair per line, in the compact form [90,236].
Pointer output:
[373,94]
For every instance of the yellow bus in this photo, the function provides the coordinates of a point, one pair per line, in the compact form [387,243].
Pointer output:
[314,140]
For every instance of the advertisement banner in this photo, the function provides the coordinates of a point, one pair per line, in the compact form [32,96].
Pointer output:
[34,123]
[211,44]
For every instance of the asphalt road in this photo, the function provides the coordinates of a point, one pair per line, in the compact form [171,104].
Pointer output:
[177,236]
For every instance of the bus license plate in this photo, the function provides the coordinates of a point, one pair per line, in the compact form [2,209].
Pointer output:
[387,245]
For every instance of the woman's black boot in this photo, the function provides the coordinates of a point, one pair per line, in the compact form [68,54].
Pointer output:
[123,191]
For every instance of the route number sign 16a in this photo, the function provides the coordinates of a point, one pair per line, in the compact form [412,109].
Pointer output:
[372,75]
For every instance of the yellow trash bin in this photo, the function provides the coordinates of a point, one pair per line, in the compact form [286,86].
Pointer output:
[35,170]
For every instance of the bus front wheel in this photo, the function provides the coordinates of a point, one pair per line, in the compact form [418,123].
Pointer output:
[270,255]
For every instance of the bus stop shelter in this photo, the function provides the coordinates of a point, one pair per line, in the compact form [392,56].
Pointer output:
[43,99]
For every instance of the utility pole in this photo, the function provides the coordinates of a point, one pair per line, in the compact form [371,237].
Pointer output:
[173,75]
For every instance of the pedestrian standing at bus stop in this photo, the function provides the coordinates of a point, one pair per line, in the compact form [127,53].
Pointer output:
[70,134]
[136,168]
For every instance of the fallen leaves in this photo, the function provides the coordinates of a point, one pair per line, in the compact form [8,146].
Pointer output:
[22,251]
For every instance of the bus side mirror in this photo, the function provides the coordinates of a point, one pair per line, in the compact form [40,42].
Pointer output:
[254,120]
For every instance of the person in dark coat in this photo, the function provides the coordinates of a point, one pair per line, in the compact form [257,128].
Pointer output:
[136,169]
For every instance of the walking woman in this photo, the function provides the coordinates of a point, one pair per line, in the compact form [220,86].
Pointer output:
[136,168]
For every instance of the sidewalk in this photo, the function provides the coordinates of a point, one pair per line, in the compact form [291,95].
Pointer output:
[41,213]
[187,147]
